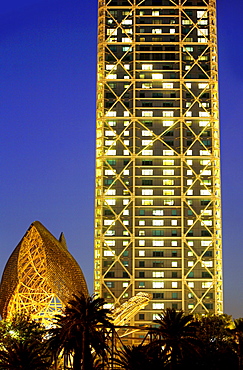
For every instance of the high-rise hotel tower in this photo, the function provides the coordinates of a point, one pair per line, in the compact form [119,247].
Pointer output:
[158,214]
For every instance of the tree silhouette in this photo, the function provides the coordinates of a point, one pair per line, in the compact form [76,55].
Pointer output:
[81,330]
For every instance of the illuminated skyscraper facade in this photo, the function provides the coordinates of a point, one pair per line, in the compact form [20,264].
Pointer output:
[158,213]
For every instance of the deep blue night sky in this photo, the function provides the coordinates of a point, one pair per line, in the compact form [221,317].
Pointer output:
[47,128]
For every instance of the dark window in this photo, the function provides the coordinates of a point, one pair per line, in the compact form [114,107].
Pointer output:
[147,182]
[157,232]
[141,212]
[209,306]
[125,274]
[174,274]
[205,233]
[174,253]
[141,316]
[141,274]
[110,274]
[147,163]
[158,254]
[141,264]
[206,275]
[158,264]
[158,295]
[208,254]
[108,212]
[174,305]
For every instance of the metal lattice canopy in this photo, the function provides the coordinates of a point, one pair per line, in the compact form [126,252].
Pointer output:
[40,276]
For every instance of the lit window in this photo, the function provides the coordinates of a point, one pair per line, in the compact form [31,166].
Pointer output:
[206,284]
[168,192]
[147,152]
[158,306]
[202,85]
[147,192]
[168,182]
[190,254]
[111,76]
[158,222]
[125,284]
[110,192]
[110,202]
[188,85]
[174,243]
[158,274]
[147,142]
[126,172]
[109,253]
[174,222]
[147,67]
[172,30]
[207,263]
[111,31]
[190,263]
[111,114]
[202,31]
[189,192]
[168,123]
[190,306]
[127,21]
[168,172]
[147,85]
[157,76]
[125,202]
[174,284]
[168,202]
[189,172]
[204,114]
[189,182]
[109,67]
[147,113]
[207,212]
[110,172]
[206,223]
[168,85]
[168,114]
[157,30]
[126,39]
[126,142]
[141,222]
[158,243]
[125,212]
[141,253]
[147,202]
[158,284]
[168,152]
[110,142]
[204,152]
[125,222]
[205,192]
[155,12]
[168,162]
[186,21]
[188,48]
[147,133]
[205,172]
[147,172]
[158,212]
[189,222]
[190,284]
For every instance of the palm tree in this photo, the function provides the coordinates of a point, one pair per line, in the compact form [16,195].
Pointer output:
[24,355]
[80,330]
[141,357]
[176,336]
[238,334]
